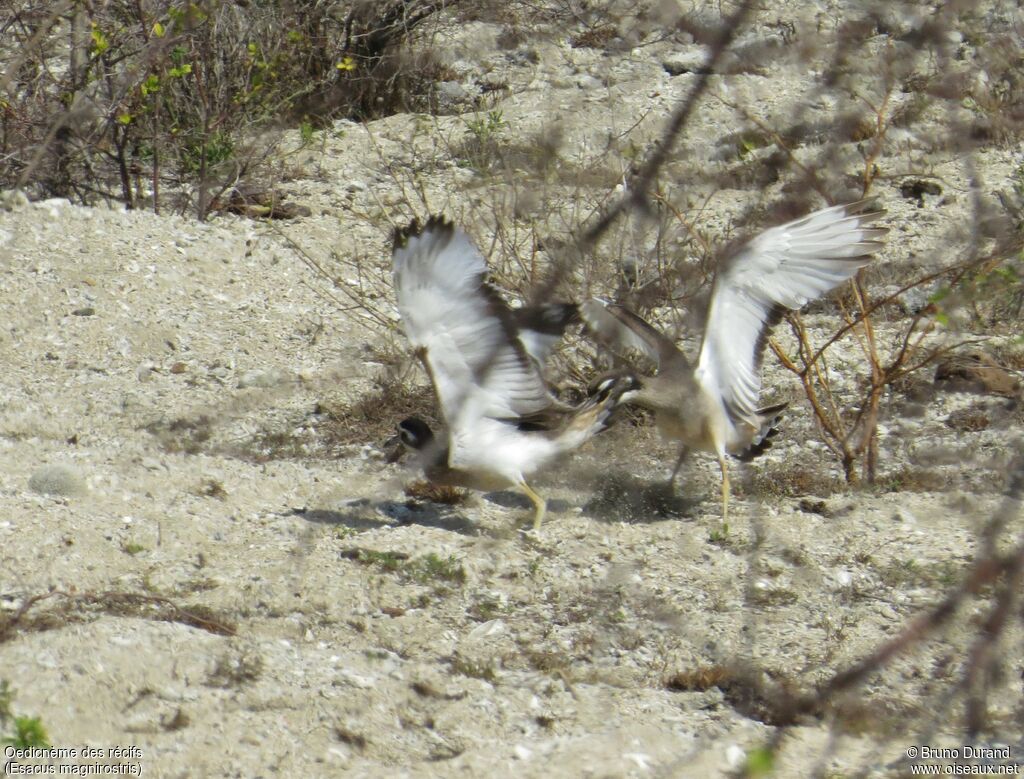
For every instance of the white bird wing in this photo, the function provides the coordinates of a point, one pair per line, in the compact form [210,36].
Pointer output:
[783,267]
[461,329]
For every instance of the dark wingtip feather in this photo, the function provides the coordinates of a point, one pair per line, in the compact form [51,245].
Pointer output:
[774,317]
[546,318]
[435,223]
[771,416]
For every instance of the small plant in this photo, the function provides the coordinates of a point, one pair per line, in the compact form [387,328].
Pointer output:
[27,731]
[760,762]
[234,671]
[424,570]
[474,668]
[480,147]
[910,573]
[307,133]
[773,596]
[132,548]
[720,535]
[212,488]
[431,567]
[391,562]
[487,127]
[486,609]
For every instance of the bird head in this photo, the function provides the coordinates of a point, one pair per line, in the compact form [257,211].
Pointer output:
[620,382]
[412,434]
[415,434]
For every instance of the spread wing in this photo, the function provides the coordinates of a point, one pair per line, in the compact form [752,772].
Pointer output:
[462,329]
[782,268]
[541,327]
[622,331]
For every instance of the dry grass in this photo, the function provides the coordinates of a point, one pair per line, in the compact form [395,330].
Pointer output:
[373,416]
[436,493]
[969,420]
[795,480]
[56,609]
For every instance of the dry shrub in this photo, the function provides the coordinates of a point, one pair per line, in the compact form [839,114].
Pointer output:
[183,434]
[795,480]
[910,479]
[373,416]
[160,95]
[698,679]
[56,609]
[436,493]
[969,420]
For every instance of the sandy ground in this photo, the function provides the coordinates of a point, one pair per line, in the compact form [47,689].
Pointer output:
[237,592]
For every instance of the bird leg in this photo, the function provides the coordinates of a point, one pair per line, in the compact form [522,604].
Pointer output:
[725,489]
[683,451]
[539,503]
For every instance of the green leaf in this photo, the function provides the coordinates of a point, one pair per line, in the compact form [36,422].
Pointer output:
[151,84]
[760,762]
[100,44]
[28,732]
[125,118]
[158,30]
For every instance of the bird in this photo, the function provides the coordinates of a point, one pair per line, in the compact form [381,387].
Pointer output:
[713,407]
[539,327]
[503,423]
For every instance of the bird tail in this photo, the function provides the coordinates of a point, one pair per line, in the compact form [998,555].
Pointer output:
[594,414]
[769,418]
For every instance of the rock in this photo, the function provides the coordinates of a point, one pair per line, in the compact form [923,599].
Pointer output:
[452,97]
[264,379]
[679,62]
[258,202]
[916,189]
[13,199]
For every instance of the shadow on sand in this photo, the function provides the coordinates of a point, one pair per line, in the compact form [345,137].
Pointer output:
[622,497]
[368,515]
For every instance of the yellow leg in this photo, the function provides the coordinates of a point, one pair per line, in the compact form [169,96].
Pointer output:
[725,488]
[539,502]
